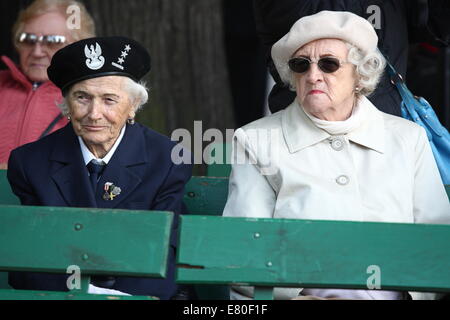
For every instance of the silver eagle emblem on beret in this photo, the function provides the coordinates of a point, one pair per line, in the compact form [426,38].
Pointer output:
[94,60]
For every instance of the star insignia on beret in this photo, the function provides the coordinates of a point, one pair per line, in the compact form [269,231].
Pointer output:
[121,59]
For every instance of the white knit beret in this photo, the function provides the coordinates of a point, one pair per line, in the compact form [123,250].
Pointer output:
[342,25]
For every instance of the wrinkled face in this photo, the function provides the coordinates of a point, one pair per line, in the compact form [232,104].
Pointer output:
[35,59]
[99,108]
[327,96]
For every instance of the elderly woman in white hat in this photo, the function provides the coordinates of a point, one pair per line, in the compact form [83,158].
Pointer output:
[332,155]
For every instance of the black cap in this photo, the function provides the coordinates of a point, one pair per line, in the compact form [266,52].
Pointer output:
[98,57]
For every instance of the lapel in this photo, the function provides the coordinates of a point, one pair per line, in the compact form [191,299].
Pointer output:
[370,134]
[131,152]
[69,172]
[298,130]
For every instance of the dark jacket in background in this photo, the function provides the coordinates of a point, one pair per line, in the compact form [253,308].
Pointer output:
[402,22]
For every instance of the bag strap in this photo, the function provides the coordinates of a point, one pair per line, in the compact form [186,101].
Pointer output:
[397,80]
[51,125]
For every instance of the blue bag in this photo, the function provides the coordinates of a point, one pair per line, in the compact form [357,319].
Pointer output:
[418,109]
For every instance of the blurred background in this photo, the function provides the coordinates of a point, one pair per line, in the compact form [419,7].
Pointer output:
[208,63]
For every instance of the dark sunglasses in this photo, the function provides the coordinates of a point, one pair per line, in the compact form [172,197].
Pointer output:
[326,64]
[31,39]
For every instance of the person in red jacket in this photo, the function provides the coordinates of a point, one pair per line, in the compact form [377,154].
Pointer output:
[28,104]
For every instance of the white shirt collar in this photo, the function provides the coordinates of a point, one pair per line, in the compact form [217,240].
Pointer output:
[88,156]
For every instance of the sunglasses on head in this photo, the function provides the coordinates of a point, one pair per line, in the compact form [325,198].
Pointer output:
[326,64]
[50,40]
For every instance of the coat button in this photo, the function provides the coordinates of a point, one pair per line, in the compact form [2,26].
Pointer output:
[342,180]
[337,144]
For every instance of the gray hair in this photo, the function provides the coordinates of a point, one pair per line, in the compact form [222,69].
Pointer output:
[369,69]
[137,91]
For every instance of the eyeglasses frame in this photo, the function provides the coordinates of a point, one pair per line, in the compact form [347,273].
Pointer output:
[311,60]
[43,39]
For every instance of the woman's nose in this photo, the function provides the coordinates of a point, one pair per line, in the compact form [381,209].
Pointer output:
[38,50]
[95,112]
[314,73]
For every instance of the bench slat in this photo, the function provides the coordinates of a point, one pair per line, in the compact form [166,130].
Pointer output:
[223,167]
[317,254]
[55,295]
[99,241]
[206,195]
[6,194]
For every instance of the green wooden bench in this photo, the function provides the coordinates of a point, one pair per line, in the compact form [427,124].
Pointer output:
[207,196]
[6,195]
[313,254]
[223,168]
[204,196]
[98,241]
[6,198]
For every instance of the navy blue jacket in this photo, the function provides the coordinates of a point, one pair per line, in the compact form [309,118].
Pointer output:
[51,172]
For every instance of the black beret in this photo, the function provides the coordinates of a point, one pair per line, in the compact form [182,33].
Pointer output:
[98,57]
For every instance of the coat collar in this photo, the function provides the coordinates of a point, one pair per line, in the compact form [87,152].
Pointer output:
[371,134]
[20,77]
[300,132]
[16,74]
[71,175]
[129,155]
[68,170]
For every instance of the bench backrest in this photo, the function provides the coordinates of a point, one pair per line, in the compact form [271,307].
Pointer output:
[206,195]
[313,253]
[97,241]
[203,196]
[6,194]
[219,161]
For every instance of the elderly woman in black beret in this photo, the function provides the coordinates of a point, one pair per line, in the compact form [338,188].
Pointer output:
[332,155]
[102,158]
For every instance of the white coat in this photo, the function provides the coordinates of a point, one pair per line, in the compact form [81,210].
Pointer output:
[383,171]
